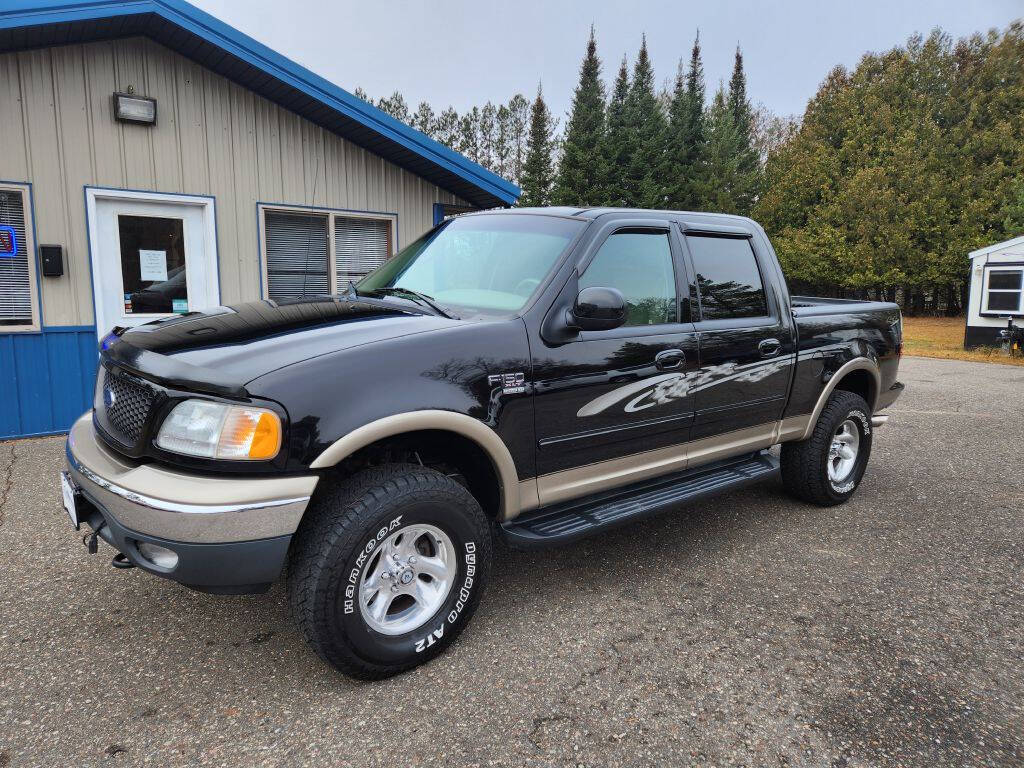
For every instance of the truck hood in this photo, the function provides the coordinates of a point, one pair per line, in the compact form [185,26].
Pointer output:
[219,351]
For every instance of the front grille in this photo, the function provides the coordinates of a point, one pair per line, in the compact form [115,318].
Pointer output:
[126,402]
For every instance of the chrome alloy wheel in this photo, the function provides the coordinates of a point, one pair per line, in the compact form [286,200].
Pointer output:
[842,454]
[407,579]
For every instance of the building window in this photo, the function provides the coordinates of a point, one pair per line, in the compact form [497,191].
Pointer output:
[360,246]
[1004,290]
[315,253]
[18,310]
[296,246]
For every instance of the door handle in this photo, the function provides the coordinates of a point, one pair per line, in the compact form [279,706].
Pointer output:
[769,347]
[670,358]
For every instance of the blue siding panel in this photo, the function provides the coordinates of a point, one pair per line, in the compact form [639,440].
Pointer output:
[10,421]
[33,371]
[88,356]
[46,379]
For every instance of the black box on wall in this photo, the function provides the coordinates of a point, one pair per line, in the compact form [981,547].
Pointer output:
[52,259]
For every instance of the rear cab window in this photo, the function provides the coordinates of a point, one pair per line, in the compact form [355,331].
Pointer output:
[729,282]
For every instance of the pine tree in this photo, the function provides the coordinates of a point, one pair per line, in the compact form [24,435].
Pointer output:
[728,183]
[739,105]
[686,159]
[395,106]
[447,131]
[747,162]
[645,123]
[518,126]
[579,173]
[487,130]
[469,134]
[503,143]
[359,93]
[424,120]
[614,148]
[538,174]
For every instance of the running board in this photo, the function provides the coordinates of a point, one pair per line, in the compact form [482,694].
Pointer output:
[571,520]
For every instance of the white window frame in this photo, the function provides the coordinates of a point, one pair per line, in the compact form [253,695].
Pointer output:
[989,269]
[94,194]
[30,250]
[331,214]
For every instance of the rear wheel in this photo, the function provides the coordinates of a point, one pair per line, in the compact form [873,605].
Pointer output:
[827,467]
[388,568]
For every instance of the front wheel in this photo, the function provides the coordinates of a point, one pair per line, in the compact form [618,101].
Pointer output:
[827,467]
[388,568]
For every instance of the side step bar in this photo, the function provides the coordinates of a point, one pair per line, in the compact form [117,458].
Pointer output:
[572,520]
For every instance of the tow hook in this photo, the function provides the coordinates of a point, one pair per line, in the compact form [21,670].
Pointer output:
[92,546]
[91,540]
[120,560]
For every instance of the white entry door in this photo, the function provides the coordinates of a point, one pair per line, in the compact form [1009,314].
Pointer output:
[153,256]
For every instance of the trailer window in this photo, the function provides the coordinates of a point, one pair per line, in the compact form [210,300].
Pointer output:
[1004,290]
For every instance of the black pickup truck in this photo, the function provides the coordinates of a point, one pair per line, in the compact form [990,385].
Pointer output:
[536,374]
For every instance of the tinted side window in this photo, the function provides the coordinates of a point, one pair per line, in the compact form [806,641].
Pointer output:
[727,276]
[640,265]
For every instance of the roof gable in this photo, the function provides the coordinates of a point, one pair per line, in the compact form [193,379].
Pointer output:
[223,49]
[996,247]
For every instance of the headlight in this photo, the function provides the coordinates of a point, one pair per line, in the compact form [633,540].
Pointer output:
[219,431]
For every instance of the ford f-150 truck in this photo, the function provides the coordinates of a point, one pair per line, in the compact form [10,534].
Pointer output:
[535,374]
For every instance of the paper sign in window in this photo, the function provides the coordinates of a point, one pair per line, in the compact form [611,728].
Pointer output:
[153,266]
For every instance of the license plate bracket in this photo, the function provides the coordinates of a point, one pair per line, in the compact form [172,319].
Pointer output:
[70,494]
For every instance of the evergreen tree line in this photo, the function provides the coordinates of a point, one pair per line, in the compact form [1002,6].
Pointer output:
[493,136]
[896,170]
[637,147]
[900,168]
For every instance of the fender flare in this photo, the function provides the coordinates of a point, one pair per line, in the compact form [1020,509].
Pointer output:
[446,421]
[857,364]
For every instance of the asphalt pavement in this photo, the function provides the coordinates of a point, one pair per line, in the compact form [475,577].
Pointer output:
[751,630]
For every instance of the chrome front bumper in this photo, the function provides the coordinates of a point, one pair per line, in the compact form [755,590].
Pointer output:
[151,499]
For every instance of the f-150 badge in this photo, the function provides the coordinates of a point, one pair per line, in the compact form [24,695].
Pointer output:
[510,383]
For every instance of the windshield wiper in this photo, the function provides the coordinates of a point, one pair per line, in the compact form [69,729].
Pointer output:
[416,295]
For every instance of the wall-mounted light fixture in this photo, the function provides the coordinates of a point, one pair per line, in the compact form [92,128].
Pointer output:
[129,108]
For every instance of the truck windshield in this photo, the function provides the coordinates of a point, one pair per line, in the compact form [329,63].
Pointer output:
[483,263]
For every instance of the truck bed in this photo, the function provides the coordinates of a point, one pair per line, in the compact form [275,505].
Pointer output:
[806,306]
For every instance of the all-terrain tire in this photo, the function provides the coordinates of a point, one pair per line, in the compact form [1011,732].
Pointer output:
[341,533]
[805,464]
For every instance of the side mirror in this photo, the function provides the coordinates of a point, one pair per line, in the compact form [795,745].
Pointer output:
[597,309]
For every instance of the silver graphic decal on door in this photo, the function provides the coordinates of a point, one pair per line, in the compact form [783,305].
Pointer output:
[667,387]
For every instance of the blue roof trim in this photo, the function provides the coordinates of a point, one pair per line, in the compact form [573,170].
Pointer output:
[29,13]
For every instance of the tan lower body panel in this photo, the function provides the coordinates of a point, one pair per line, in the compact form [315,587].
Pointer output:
[793,427]
[604,475]
[173,504]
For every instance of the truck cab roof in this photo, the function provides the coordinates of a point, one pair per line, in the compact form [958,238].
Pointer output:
[594,212]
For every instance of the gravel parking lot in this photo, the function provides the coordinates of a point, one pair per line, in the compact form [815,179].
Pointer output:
[754,630]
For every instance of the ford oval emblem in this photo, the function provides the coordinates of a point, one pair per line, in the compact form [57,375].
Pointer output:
[109,397]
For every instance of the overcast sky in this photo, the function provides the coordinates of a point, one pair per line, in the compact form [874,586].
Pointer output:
[465,52]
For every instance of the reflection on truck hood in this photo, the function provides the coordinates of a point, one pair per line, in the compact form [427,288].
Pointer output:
[248,340]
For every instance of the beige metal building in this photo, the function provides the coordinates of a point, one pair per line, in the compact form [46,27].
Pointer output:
[154,160]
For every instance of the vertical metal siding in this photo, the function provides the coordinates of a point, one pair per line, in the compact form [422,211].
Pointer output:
[46,379]
[212,137]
